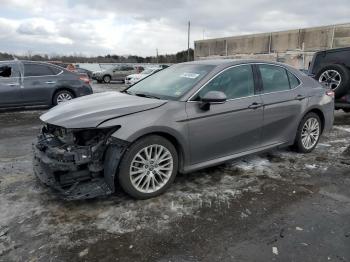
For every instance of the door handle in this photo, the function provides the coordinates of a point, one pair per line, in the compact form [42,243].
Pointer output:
[255,105]
[300,97]
[12,84]
[50,82]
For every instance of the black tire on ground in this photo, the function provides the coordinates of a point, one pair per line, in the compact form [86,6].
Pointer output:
[99,81]
[60,93]
[298,145]
[107,79]
[124,167]
[344,86]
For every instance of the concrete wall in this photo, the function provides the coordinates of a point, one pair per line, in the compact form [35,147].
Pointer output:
[294,47]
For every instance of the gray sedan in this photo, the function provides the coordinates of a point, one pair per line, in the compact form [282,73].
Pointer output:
[184,118]
[29,83]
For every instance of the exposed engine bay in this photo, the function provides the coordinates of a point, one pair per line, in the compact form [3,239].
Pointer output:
[79,163]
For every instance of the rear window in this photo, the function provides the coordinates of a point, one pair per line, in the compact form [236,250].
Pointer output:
[293,81]
[39,70]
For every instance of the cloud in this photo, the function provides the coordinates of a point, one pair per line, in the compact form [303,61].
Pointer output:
[42,27]
[140,27]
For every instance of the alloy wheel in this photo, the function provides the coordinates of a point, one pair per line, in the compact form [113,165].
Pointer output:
[310,133]
[63,97]
[330,78]
[107,79]
[151,168]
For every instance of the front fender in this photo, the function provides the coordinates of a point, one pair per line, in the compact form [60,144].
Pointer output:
[167,120]
[113,155]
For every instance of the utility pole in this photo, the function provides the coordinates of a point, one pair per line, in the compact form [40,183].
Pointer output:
[188,41]
[157,55]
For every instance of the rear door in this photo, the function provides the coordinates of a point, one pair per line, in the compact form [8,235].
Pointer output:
[39,82]
[228,128]
[116,73]
[10,84]
[284,99]
[124,71]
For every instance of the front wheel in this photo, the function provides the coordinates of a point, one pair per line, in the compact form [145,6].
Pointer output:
[107,79]
[148,167]
[308,133]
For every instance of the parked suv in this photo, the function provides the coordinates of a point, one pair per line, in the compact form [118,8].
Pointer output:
[183,118]
[117,73]
[332,68]
[25,83]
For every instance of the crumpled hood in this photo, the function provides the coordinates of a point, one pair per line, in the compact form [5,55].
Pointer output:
[90,111]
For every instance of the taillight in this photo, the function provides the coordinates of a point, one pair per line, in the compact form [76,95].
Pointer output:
[330,93]
[85,79]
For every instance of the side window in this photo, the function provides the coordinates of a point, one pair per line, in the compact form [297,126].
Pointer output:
[126,68]
[5,71]
[9,70]
[293,81]
[274,78]
[37,70]
[55,70]
[235,82]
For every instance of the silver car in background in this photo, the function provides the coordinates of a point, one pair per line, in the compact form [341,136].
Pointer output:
[187,117]
[134,78]
[115,73]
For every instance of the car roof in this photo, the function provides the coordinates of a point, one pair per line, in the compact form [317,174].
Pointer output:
[230,62]
[27,61]
[333,50]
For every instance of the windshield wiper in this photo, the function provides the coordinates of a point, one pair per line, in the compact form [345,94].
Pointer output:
[126,92]
[146,95]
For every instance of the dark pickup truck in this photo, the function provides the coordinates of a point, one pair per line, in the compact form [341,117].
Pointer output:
[332,68]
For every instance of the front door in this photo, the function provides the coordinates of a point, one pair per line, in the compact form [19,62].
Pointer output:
[228,128]
[10,85]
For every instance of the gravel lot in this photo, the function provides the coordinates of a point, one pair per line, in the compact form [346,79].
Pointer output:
[279,206]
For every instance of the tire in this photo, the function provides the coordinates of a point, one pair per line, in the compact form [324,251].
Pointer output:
[300,144]
[62,96]
[139,187]
[346,110]
[99,81]
[107,79]
[337,73]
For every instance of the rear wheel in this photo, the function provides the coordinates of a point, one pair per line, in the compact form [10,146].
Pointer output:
[148,167]
[107,79]
[336,77]
[308,133]
[62,96]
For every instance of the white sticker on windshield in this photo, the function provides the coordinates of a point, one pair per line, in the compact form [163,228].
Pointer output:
[190,75]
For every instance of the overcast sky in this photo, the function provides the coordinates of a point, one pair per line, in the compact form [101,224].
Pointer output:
[138,27]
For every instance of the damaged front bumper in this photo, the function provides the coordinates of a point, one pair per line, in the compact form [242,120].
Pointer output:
[78,171]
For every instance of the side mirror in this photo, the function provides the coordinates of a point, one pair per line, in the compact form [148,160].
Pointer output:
[212,97]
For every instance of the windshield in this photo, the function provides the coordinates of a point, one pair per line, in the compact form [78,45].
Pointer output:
[171,83]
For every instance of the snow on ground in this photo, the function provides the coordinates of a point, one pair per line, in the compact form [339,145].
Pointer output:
[33,211]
